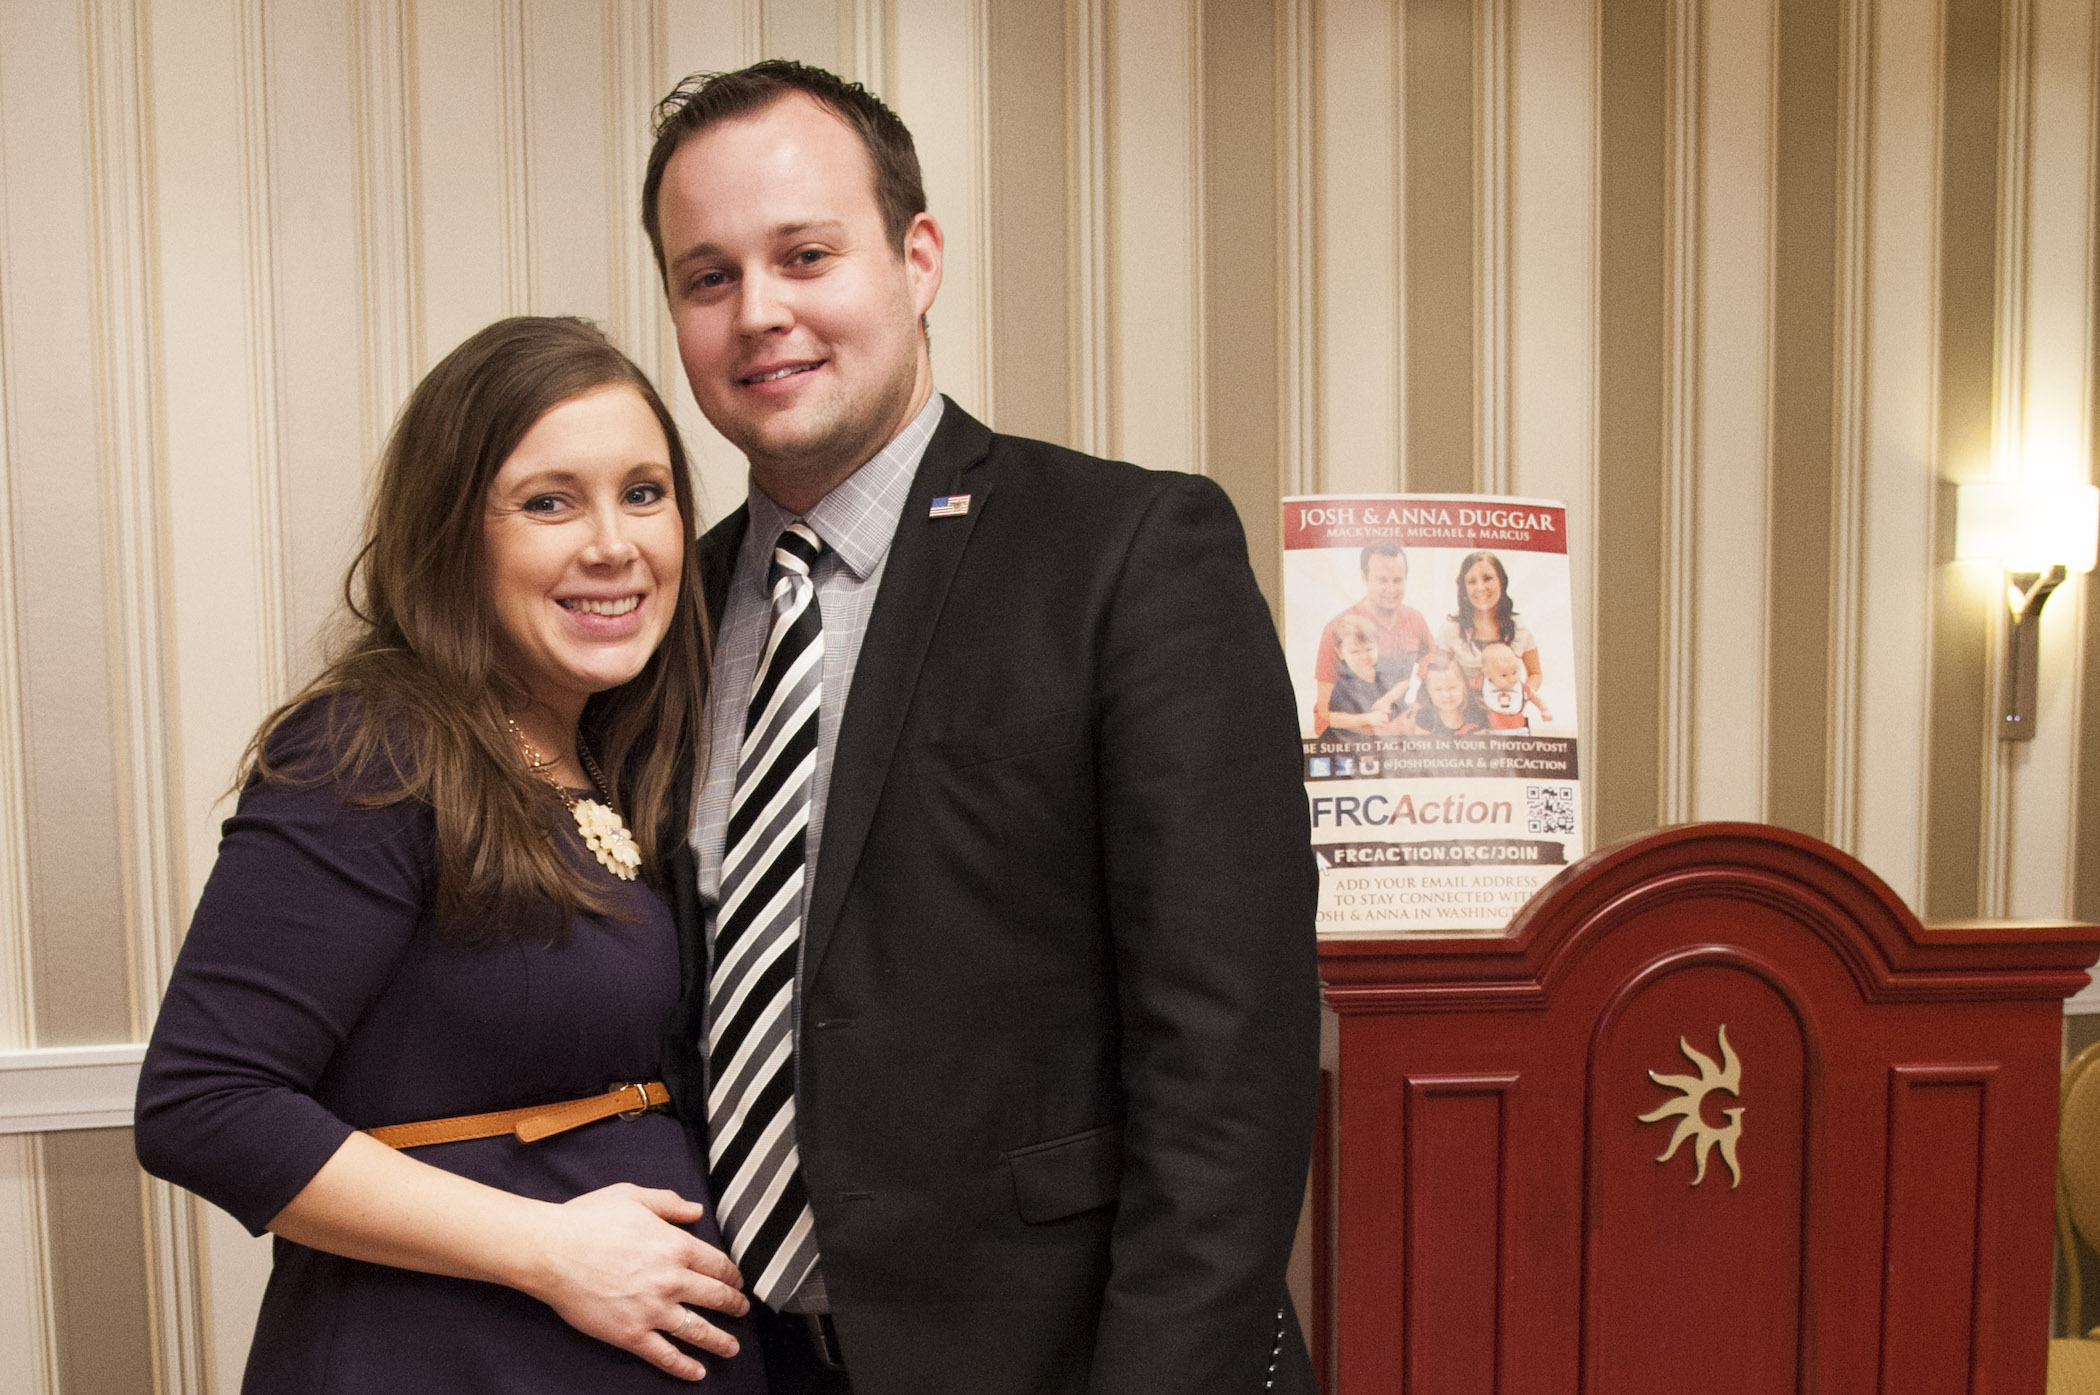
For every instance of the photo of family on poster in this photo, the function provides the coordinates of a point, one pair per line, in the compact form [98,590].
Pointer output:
[1379,671]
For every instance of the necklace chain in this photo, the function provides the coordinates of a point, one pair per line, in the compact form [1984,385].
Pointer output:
[604,832]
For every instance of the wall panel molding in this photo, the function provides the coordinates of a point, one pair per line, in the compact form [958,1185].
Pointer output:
[28,1326]
[1298,241]
[2009,400]
[1090,73]
[17,1003]
[1685,150]
[262,255]
[1731,475]
[390,269]
[1495,308]
[1855,230]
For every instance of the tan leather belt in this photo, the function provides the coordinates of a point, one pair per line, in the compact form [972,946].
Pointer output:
[532,1124]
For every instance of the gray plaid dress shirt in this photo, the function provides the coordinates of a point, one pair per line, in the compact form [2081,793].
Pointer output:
[856,521]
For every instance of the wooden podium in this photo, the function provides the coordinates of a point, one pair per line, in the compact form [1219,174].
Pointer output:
[1716,1117]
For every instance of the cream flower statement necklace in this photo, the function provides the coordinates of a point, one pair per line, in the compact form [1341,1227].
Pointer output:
[604,831]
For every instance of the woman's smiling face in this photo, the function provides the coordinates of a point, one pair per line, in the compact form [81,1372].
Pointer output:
[584,547]
[1483,585]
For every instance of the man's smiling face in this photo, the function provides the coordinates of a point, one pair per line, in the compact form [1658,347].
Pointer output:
[797,320]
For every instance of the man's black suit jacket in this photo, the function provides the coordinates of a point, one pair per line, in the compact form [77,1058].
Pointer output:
[1058,1039]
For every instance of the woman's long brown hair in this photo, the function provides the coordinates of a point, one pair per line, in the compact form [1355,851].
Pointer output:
[413,701]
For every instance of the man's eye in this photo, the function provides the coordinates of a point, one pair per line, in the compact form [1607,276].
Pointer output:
[710,280]
[810,256]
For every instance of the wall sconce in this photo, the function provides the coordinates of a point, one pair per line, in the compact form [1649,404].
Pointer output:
[2040,533]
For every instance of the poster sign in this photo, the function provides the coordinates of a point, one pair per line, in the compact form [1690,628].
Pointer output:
[1430,639]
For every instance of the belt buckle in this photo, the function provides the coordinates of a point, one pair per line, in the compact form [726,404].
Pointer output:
[640,1090]
[824,1339]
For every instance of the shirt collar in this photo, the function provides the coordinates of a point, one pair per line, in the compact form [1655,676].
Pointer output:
[859,516]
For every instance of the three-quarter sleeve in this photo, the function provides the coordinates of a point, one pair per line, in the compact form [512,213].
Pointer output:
[307,914]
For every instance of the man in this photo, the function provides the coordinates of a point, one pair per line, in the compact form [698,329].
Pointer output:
[1403,635]
[1001,1017]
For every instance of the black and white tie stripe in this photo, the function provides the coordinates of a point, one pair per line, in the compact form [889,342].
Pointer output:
[753,1164]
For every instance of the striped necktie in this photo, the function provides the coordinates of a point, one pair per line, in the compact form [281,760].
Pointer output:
[753,1164]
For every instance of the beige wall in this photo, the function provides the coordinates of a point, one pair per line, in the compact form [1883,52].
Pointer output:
[1745,282]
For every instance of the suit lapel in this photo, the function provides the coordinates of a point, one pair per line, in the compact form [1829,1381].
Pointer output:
[915,580]
[718,550]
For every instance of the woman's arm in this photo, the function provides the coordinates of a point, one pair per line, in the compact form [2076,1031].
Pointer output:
[612,1262]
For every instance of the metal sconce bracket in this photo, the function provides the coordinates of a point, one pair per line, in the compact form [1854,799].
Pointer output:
[2025,593]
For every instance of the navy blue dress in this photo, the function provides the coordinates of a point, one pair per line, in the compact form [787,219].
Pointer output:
[311,999]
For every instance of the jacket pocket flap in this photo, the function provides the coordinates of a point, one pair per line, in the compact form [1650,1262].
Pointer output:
[1067,1175]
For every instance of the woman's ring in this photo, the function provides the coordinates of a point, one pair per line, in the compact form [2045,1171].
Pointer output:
[685,1320]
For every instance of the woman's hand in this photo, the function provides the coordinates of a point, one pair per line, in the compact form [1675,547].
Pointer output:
[615,1264]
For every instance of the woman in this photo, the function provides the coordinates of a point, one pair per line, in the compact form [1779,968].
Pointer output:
[426,908]
[1486,615]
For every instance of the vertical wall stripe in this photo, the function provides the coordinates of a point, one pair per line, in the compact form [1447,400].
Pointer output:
[98,1263]
[707,37]
[1441,262]
[319,403]
[390,291]
[1158,244]
[1241,157]
[1090,84]
[1800,518]
[2015,146]
[2056,383]
[514,174]
[1731,479]
[1627,769]
[2085,893]
[1032,369]
[1298,240]
[1493,400]
[807,31]
[151,852]
[27,1333]
[1890,527]
[1553,296]
[265,362]
[17,1002]
[81,972]
[1848,412]
[570,186]
[1357,194]
[938,86]
[634,82]
[1684,155]
[1964,723]
[873,54]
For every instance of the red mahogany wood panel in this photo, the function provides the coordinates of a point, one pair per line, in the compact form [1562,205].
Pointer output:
[1717,1115]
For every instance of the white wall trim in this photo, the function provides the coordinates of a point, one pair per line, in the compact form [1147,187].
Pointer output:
[1302,469]
[1684,271]
[1494,397]
[1850,393]
[1090,79]
[17,1004]
[49,1088]
[383,40]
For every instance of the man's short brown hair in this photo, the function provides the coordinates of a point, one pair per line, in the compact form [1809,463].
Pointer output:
[705,100]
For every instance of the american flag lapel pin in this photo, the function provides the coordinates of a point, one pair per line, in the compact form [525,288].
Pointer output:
[949,506]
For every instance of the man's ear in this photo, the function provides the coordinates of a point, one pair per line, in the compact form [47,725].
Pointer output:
[922,260]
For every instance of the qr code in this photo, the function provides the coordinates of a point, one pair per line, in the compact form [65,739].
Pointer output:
[1550,808]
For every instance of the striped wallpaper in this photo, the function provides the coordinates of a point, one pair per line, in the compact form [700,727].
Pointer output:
[1749,283]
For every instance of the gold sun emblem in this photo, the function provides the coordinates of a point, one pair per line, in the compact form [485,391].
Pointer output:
[1693,1092]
